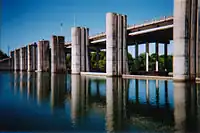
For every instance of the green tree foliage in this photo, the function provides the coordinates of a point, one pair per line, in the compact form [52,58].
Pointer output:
[134,64]
[2,55]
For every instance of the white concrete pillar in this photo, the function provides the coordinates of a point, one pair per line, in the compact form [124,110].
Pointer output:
[116,51]
[165,57]
[179,106]
[157,56]
[58,59]
[31,57]
[23,59]
[136,55]
[43,64]
[76,50]
[181,39]
[147,57]
[111,44]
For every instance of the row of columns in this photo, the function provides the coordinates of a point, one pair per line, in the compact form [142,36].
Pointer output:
[36,57]
[157,56]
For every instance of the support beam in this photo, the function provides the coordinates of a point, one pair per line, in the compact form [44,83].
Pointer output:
[43,56]
[157,56]
[147,57]
[58,59]
[31,57]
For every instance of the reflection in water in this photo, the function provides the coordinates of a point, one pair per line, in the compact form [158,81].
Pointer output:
[43,87]
[135,105]
[31,85]
[58,90]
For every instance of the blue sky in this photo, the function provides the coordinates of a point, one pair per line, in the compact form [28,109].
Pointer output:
[27,21]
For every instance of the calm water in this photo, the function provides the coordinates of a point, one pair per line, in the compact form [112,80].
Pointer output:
[65,103]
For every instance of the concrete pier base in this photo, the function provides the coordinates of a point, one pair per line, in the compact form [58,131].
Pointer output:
[43,56]
[58,59]
[116,47]
[31,57]
[17,60]
[11,60]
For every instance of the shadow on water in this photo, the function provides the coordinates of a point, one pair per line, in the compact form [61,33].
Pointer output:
[58,102]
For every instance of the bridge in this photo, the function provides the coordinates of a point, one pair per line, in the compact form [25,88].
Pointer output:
[182,28]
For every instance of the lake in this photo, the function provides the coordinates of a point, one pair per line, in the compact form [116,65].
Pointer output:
[41,102]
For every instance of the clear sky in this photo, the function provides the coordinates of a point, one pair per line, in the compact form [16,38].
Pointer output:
[27,21]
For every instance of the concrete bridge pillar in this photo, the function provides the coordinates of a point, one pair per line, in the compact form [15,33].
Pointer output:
[80,42]
[136,56]
[198,42]
[58,59]
[184,34]
[165,57]
[116,34]
[17,60]
[157,56]
[12,60]
[23,59]
[43,56]
[32,57]
[147,57]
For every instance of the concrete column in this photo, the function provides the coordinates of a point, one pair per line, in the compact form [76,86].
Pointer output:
[97,58]
[193,32]
[198,41]
[87,51]
[115,44]
[147,57]
[165,57]
[31,57]
[76,50]
[83,49]
[136,55]
[12,60]
[125,46]
[157,56]
[120,44]
[111,44]
[58,59]
[43,64]
[181,39]
[23,59]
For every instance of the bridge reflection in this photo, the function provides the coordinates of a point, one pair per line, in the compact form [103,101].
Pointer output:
[149,104]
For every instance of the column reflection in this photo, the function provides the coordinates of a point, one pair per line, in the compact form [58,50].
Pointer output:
[58,90]
[31,85]
[116,100]
[43,87]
